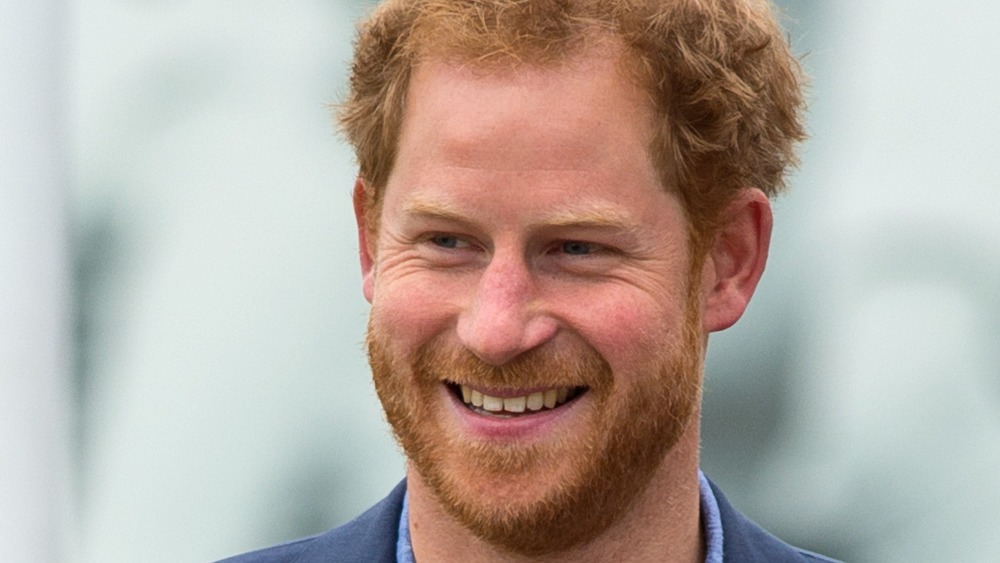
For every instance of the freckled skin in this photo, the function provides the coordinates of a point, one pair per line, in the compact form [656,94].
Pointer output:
[537,152]
[523,220]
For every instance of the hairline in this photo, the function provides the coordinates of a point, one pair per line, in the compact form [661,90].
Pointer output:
[596,41]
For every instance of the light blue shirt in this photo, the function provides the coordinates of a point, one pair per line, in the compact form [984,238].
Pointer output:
[709,517]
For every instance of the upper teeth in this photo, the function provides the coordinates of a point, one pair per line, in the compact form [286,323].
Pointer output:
[532,402]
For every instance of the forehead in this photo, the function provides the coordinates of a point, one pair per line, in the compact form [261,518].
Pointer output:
[527,150]
[580,117]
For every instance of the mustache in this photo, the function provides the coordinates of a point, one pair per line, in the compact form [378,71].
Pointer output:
[540,367]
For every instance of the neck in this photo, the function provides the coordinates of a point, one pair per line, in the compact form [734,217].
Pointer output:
[662,525]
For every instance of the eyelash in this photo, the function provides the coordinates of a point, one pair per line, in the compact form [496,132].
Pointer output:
[448,241]
[437,240]
[590,248]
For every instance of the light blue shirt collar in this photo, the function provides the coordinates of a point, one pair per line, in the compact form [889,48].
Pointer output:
[711,520]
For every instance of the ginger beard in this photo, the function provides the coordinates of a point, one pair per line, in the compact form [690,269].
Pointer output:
[601,468]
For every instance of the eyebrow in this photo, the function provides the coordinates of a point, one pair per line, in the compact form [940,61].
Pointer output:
[426,208]
[592,216]
[596,215]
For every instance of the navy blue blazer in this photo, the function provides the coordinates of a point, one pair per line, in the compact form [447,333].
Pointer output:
[372,537]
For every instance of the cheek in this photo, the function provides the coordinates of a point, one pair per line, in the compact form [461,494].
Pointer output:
[632,334]
[411,310]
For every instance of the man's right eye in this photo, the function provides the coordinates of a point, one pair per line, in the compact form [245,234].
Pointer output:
[448,241]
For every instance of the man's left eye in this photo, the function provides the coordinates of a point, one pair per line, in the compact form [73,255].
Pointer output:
[577,248]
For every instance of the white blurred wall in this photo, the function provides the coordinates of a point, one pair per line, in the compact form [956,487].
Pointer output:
[224,401]
[35,308]
[895,436]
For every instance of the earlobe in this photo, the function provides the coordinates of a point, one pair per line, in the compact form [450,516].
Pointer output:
[365,248]
[736,259]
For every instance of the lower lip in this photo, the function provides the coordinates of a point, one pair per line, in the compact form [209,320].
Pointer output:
[516,428]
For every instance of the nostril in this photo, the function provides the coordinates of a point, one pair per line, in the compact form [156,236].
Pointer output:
[497,336]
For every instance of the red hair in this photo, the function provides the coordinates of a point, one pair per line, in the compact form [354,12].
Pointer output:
[726,90]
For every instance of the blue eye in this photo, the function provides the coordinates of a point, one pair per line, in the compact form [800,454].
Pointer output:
[577,248]
[446,241]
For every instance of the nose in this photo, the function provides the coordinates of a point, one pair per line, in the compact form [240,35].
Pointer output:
[505,317]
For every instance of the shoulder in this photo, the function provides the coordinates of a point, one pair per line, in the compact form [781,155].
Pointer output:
[746,542]
[370,537]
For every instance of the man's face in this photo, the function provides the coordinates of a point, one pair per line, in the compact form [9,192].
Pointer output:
[534,335]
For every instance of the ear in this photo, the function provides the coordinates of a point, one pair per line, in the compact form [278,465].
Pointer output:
[736,259]
[365,248]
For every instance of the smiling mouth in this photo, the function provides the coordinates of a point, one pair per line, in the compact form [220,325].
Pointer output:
[508,407]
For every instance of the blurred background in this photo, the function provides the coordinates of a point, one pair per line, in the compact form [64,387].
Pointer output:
[181,369]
